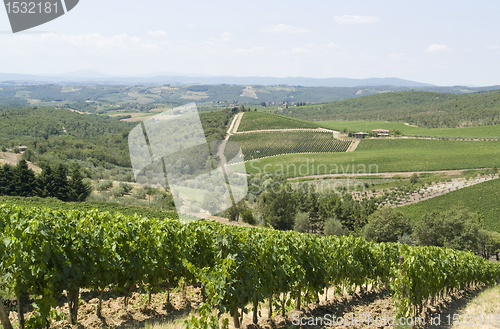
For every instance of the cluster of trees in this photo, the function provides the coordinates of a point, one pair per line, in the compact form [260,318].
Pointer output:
[456,228]
[301,208]
[304,208]
[65,134]
[58,182]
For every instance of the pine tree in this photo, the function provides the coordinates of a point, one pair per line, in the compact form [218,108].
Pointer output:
[7,184]
[61,183]
[78,191]
[25,180]
[46,182]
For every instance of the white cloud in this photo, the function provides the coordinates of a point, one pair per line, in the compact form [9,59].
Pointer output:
[250,50]
[332,45]
[355,19]
[98,40]
[300,50]
[190,25]
[400,58]
[435,48]
[493,47]
[157,33]
[396,56]
[282,28]
[226,36]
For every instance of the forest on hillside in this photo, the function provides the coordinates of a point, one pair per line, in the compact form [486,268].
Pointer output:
[424,109]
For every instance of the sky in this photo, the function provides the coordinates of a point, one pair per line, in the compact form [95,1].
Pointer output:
[439,42]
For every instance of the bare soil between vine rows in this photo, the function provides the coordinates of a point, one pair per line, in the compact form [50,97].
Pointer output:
[139,314]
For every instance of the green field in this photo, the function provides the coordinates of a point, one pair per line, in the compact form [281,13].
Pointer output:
[386,155]
[491,131]
[482,197]
[262,121]
[265,144]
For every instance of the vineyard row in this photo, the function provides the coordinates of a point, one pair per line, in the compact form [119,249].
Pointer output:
[45,252]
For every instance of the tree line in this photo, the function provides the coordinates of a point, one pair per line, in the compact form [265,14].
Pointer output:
[60,182]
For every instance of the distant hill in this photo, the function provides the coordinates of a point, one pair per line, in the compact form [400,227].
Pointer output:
[424,109]
[81,96]
[89,76]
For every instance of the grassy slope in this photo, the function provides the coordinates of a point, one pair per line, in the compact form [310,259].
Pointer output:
[426,109]
[390,155]
[492,131]
[263,121]
[481,197]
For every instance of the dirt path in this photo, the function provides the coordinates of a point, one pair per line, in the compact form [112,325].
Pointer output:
[387,174]
[353,146]
[409,125]
[238,121]
[286,130]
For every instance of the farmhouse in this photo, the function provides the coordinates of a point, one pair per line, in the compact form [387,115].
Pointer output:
[360,135]
[381,132]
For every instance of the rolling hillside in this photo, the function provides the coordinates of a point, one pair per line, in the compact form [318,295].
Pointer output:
[489,132]
[481,197]
[424,109]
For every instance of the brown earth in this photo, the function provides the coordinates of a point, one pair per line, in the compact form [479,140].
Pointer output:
[13,159]
[140,313]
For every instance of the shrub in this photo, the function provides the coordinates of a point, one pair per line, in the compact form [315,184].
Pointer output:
[118,192]
[140,194]
[302,222]
[103,186]
[126,187]
[406,239]
[247,217]
[386,225]
[333,227]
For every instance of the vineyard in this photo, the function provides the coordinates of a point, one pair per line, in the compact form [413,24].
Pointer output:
[263,121]
[112,208]
[481,197]
[394,155]
[266,144]
[44,253]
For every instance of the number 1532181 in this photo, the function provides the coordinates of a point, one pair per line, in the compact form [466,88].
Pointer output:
[16,7]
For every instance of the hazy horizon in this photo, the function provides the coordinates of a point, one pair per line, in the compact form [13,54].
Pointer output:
[444,44]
